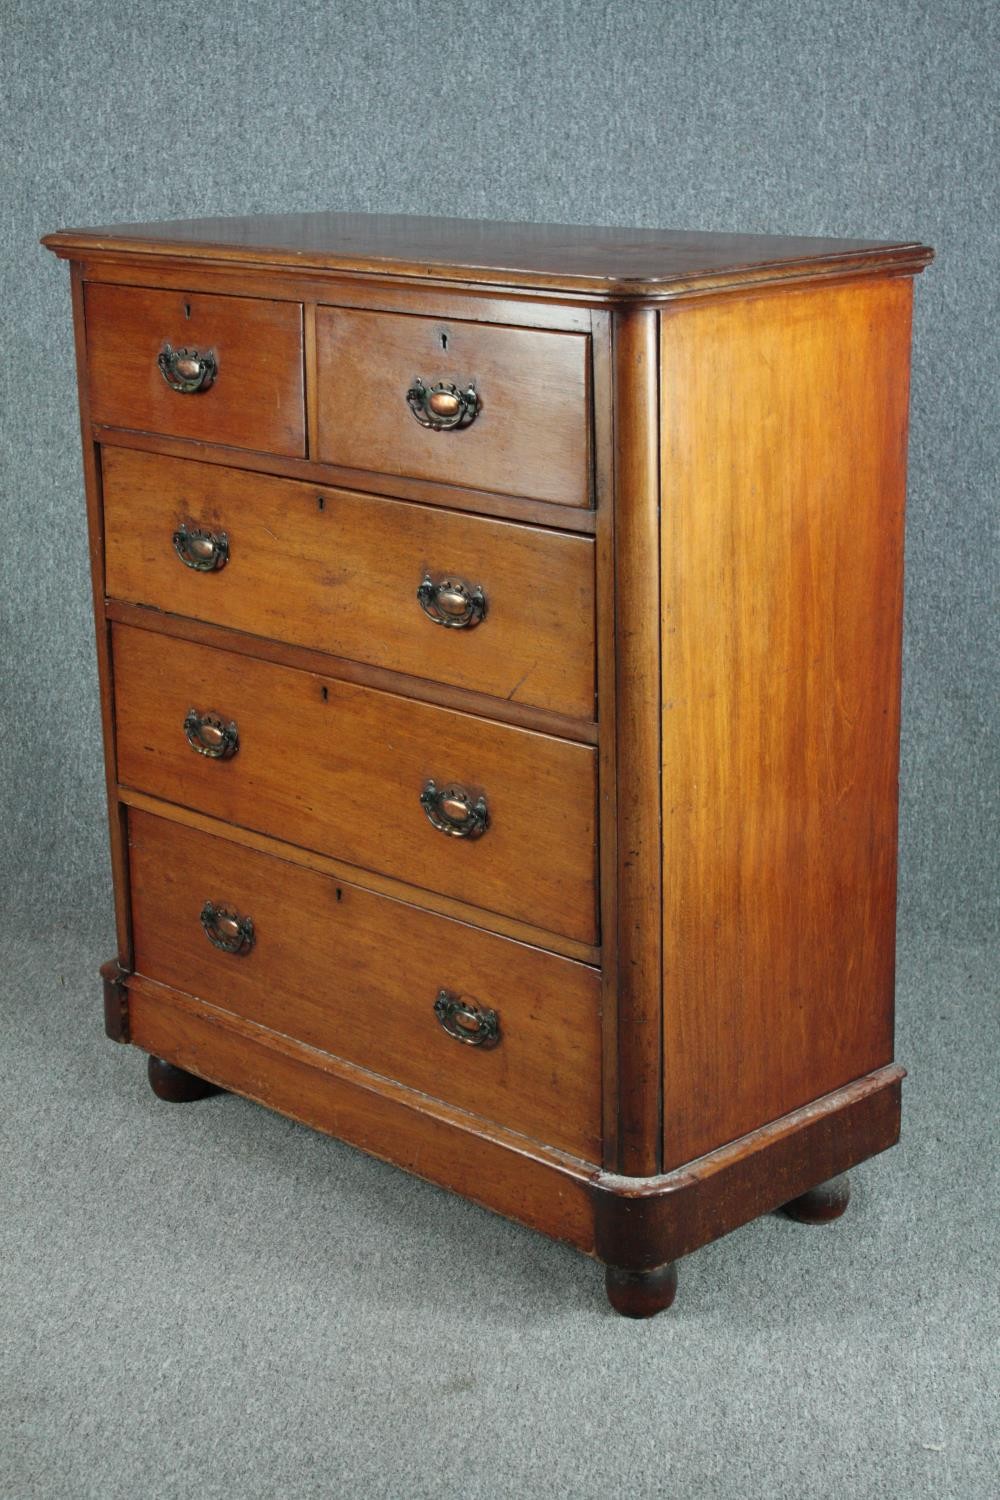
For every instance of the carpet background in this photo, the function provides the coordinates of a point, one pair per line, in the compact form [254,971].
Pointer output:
[214,1301]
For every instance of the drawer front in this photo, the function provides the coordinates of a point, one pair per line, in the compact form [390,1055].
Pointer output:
[255,399]
[358,975]
[341,769]
[341,573]
[530,431]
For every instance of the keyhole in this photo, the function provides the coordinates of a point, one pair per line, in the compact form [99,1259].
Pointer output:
[444,341]
[187,309]
[320,502]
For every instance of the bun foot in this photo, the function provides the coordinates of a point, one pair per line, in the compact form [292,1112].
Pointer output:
[641,1294]
[175,1085]
[821,1204]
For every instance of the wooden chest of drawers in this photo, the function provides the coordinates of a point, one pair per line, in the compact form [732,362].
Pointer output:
[499,633]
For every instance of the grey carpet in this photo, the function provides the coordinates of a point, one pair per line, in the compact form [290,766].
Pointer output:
[207,1300]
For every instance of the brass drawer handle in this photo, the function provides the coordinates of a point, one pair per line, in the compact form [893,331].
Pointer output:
[186,370]
[473,1024]
[211,735]
[227,930]
[453,811]
[204,551]
[450,603]
[442,406]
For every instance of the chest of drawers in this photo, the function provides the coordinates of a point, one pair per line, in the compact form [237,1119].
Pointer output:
[498,631]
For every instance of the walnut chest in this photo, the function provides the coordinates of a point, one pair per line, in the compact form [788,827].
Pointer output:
[499,643]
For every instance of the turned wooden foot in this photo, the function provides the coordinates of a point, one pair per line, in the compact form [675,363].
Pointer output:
[641,1294]
[821,1204]
[177,1086]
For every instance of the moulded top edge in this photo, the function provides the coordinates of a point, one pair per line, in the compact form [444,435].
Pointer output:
[608,263]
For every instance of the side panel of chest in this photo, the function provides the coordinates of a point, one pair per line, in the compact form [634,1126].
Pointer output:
[783,473]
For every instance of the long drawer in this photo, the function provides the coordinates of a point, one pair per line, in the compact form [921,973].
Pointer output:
[506,610]
[487,1024]
[499,817]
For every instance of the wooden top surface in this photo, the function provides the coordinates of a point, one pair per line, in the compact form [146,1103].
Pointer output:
[574,258]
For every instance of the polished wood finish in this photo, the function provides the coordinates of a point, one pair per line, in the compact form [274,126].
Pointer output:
[369,880]
[591,260]
[530,437]
[498,1168]
[637,976]
[95,540]
[145,617]
[680,488]
[339,573]
[114,979]
[642,1222]
[256,400]
[484,304]
[821,1204]
[311,379]
[452,497]
[325,968]
[634,1224]
[782,586]
[340,769]
[607,746]
[175,1086]
[641,1294]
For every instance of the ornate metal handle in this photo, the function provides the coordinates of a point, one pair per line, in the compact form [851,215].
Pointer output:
[186,370]
[227,930]
[453,811]
[473,1024]
[450,603]
[205,551]
[211,735]
[443,405]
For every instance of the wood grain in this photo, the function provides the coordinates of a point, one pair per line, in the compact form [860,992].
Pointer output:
[105,671]
[683,496]
[531,436]
[604,548]
[310,378]
[597,260]
[495,1167]
[644,1222]
[638,977]
[356,975]
[423,492]
[626,1221]
[379,294]
[339,572]
[146,617]
[340,768]
[784,422]
[256,400]
[368,880]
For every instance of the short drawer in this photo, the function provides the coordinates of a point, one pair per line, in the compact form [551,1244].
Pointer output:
[346,574]
[343,770]
[220,369]
[520,398]
[492,1026]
